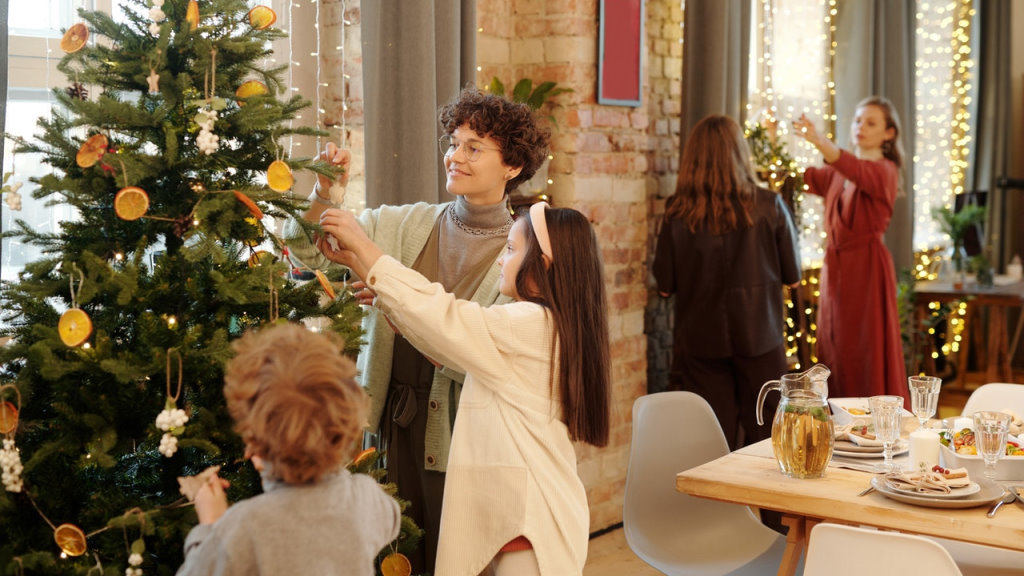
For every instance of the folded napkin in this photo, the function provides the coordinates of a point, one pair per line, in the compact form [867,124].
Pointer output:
[849,433]
[928,483]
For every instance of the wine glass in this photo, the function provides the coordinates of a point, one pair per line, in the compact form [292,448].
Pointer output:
[887,417]
[924,397]
[990,429]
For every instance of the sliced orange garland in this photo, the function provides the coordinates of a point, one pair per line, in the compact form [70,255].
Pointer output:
[261,17]
[75,38]
[90,152]
[131,203]
[250,88]
[325,284]
[192,14]
[249,204]
[8,417]
[71,539]
[279,176]
[395,564]
[74,327]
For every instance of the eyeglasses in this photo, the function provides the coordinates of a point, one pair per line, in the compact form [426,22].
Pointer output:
[449,145]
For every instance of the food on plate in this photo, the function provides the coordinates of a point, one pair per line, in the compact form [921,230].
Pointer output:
[858,411]
[861,431]
[962,442]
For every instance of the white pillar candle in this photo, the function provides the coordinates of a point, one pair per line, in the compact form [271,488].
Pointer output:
[924,449]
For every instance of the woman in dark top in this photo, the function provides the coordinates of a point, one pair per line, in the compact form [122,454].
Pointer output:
[725,249]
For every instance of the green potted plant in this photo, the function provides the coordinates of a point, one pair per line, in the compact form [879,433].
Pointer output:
[956,224]
[535,96]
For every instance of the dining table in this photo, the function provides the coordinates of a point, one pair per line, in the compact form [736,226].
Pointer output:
[751,476]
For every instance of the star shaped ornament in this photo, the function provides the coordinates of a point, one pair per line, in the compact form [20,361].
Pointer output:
[154,81]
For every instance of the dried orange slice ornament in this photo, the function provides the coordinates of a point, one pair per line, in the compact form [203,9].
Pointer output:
[395,564]
[259,257]
[75,38]
[364,456]
[71,539]
[249,204]
[325,284]
[74,327]
[261,17]
[192,14]
[131,203]
[279,176]
[91,150]
[250,88]
[8,417]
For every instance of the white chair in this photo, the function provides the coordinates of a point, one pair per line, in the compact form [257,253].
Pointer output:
[840,550]
[996,396]
[674,532]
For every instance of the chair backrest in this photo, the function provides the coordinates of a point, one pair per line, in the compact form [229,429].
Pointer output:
[672,432]
[839,550]
[996,396]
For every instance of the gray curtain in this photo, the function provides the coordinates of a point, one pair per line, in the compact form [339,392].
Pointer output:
[3,93]
[875,56]
[716,49]
[416,57]
[991,113]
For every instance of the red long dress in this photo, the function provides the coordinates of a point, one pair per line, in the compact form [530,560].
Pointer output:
[858,320]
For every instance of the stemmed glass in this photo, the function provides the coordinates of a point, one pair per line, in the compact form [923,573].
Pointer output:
[990,429]
[924,397]
[887,417]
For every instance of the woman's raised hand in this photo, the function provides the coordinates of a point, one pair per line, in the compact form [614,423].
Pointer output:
[804,128]
[336,157]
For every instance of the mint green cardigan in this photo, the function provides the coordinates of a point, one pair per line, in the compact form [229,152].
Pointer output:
[401,232]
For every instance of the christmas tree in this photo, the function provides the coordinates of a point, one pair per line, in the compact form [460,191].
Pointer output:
[173,167]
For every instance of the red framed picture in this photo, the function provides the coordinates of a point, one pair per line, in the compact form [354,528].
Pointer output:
[620,56]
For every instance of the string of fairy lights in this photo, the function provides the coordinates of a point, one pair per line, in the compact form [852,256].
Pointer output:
[783,86]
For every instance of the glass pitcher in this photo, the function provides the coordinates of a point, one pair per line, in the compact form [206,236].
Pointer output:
[802,433]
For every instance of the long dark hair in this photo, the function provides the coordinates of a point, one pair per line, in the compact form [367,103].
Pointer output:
[572,289]
[715,188]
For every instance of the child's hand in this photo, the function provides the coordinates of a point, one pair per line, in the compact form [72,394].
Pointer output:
[211,501]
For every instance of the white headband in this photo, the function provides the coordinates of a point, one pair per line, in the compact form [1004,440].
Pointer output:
[540,228]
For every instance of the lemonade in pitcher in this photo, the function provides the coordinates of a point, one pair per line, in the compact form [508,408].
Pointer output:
[802,438]
[802,433]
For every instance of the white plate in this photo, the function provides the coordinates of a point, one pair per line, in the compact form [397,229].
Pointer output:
[900,447]
[842,416]
[972,488]
[989,492]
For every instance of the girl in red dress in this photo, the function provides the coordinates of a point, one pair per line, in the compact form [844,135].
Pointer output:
[858,320]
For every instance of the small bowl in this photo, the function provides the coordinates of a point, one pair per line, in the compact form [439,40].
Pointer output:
[1008,467]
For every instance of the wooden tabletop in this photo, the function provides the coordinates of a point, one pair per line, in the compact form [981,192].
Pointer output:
[756,481]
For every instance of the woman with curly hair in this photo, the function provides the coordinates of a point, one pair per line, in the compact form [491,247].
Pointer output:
[490,146]
[298,408]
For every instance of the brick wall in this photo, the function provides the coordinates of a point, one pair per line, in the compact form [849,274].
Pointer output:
[613,163]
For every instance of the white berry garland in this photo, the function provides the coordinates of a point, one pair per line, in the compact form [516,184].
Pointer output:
[134,561]
[207,141]
[172,421]
[157,15]
[10,466]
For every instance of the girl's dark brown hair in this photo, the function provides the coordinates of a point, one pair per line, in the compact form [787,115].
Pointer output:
[572,289]
[715,188]
[891,149]
[512,125]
